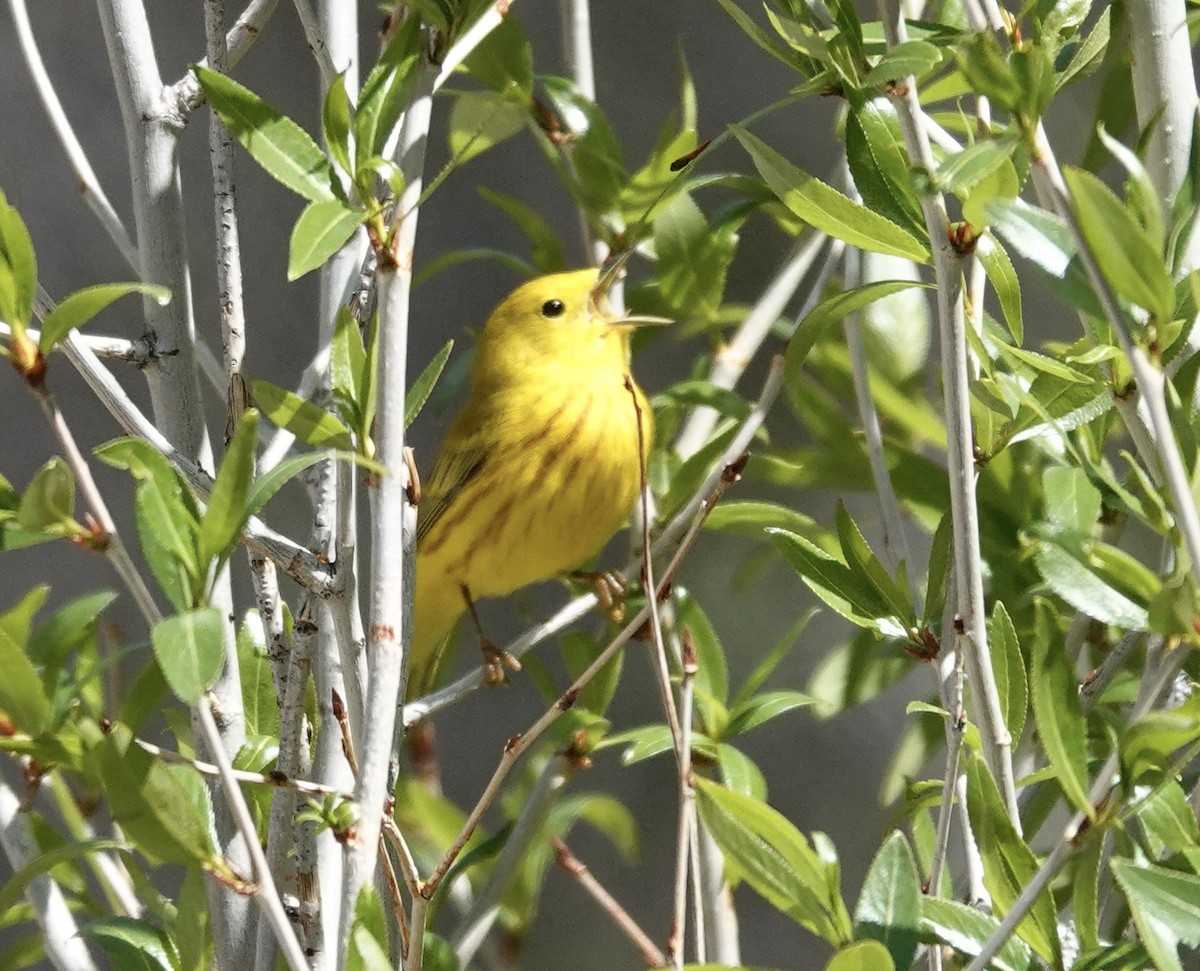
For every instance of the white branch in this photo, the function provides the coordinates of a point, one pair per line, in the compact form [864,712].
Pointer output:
[89,185]
[394,515]
[735,355]
[968,560]
[60,934]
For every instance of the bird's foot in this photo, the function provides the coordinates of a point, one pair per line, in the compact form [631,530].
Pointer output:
[497,662]
[610,589]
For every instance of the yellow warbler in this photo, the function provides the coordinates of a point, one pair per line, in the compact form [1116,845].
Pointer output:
[540,467]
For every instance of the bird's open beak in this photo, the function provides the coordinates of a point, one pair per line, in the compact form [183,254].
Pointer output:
[609,274]
[634,321]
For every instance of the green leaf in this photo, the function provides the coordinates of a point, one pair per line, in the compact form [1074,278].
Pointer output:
[1165,905]
[1008,864]
[11,893]
[593,148]
[850,594]
[826,209]
[1039,236]
[503,62]
[966,930]
[335,122]
[862,560]
[284,149]
[771,855]
[22,696]
[1057,711]
[131,945]
[49,501]
[760,709]
[1008,667]
[1084,590]
[480,120]
[692,259]
[939,566]
[1147,744]
[422,388]
[82,305]
[190,648]
[259,702]
[889,906]
[547,254]
[1073,504]
[152,806]
[322,230]
[225,515]
[862,956]
[1003,277]
[712,677]
[830,310]
[347,362]
[19,264]
[962,171]
[310,423]
[757,34]
[1089,55]
[1128,258]
[66,628]
[915,57]
[739,772]
[878,161]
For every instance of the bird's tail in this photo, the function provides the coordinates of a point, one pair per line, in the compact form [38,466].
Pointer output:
[438,607]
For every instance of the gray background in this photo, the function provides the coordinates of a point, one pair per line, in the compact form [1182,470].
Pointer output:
[823,774]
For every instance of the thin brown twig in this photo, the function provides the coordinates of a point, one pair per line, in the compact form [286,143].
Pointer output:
[518,744]
[653,957]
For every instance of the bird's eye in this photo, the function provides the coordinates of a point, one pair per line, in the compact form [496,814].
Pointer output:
[553,308]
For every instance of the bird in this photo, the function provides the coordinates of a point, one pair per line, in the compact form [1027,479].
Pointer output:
[541,466]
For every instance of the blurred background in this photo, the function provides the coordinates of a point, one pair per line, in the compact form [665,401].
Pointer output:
[823,774]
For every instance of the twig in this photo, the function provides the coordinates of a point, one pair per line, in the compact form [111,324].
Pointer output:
[64,944]
[394,532]
[275,780]
[721,938]
[88,183]
[416,941]
[735,355]
[1152,687]
[577,51]
[653,957]
[114,548]
[264,885]
[518,744]
[685,832]
[1164,94]
[478,920]
[960,459]
[895,537]
[293,760]
[294,560]
[408,866]
[578,607]
[316,42]
[185,95]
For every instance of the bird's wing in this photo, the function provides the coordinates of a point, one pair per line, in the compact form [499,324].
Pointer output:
[456,466]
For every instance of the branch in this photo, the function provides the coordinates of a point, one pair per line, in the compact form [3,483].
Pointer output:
[653,957]
[735,355]
[485,908]
[60,934]
[394,515]
[667,540]
[959,455]
[185,95]
[88,183]
[297,562]
[518,744]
